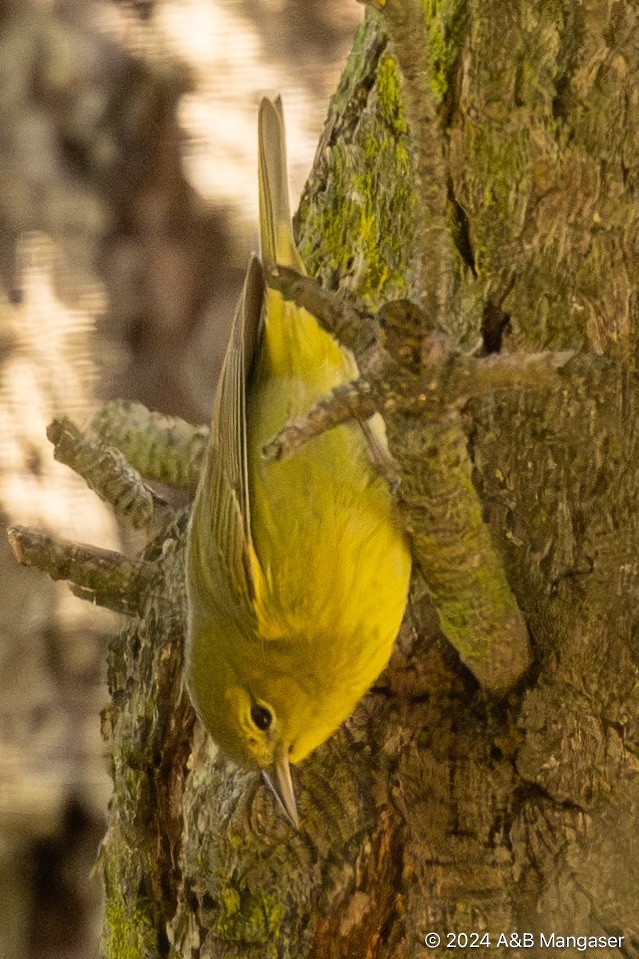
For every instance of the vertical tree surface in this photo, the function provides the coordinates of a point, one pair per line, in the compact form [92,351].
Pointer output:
[481,158]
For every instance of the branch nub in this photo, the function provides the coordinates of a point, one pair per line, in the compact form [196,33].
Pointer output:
[106,577]
[163,448]
[105,471]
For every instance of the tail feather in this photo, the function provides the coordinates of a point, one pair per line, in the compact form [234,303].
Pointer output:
[276,234]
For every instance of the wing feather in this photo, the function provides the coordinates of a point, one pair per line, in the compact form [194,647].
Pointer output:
[276,234]
[221,560]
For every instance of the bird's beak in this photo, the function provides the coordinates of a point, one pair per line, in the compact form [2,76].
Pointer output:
[281,786]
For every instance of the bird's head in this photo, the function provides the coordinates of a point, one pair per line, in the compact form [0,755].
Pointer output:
[254,730]
[264,718]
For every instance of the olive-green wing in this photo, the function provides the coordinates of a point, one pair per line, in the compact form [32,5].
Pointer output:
[276,233]
[220,560]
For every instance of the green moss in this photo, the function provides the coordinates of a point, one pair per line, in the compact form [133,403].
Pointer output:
[445,25]
[248,917]
[365,184]
[390,106]
[129,933]
[128,930]
[230,900]
[498,198]
[133,913]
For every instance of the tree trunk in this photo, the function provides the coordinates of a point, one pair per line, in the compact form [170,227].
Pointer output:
[482,159]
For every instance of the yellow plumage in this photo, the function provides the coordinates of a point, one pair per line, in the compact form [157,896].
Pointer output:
[297,572]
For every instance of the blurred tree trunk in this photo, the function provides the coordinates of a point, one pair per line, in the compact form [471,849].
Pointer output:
[436,809]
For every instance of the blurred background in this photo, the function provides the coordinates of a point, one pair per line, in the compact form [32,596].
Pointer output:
[128,208]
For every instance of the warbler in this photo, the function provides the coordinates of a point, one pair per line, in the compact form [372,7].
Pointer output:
[297,571]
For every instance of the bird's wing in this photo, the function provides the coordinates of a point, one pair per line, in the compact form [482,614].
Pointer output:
[222,562]
[276,233]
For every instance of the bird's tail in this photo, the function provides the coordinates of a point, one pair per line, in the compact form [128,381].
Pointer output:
[276,234]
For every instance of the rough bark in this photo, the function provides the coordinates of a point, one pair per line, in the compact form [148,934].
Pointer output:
[437,808]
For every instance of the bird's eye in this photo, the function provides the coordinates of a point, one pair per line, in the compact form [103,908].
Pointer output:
[261,716]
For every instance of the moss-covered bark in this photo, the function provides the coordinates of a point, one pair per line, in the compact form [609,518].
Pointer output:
[436,808]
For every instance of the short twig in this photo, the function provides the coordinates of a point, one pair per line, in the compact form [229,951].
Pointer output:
[105,471]
[163,448]
[477,376]
[109,578]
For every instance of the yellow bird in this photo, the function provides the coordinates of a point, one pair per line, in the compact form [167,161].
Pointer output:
[297,571]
